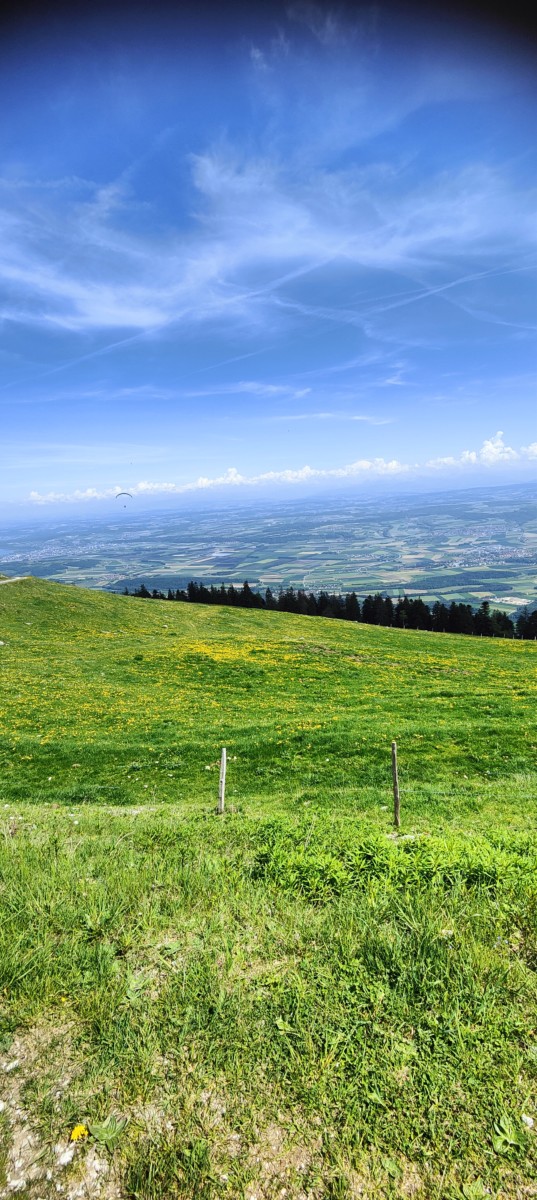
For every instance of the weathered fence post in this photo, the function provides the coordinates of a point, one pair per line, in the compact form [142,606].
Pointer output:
[222,784]
[396,811]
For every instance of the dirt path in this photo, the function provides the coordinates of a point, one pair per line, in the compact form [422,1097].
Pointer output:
[15,579]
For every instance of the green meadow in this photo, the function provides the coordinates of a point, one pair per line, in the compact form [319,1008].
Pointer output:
[289,999]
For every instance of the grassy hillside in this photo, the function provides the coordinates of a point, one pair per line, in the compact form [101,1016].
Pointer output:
[289,1000]
[108,698]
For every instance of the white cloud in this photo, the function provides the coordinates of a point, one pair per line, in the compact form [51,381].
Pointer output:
[495,451]
[232,478]
[70,497]
[491,454]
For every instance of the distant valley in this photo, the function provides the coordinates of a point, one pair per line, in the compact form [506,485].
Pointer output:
[464,546]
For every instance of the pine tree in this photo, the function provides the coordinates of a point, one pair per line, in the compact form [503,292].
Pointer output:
[352,607]
[483,620]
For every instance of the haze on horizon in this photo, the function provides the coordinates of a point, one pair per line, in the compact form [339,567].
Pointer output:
[262,253]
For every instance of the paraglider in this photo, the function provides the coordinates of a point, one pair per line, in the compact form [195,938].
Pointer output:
[124,494]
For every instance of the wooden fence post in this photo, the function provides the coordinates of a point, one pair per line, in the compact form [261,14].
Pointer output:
[396,812]
[222,784]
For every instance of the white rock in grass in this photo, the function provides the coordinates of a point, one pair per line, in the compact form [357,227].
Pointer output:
[528,1121]
[66,1156]
[12,1066]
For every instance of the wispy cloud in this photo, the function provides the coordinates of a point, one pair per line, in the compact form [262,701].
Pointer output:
[492,453]
[250,387]
[332,416]
[326,25]
[259,229]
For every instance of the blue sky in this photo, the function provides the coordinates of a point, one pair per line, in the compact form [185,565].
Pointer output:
[292,252]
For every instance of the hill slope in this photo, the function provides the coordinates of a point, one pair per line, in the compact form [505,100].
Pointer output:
[289,1000]
[142,695]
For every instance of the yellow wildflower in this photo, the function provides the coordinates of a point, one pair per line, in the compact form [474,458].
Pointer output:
[78,1133]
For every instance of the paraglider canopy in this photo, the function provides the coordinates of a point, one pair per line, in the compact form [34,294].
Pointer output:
[124,494]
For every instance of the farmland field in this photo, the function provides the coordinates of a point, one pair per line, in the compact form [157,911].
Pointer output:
[290,999]
[469,546]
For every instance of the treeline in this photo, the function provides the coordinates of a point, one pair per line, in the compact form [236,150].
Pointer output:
[405,613]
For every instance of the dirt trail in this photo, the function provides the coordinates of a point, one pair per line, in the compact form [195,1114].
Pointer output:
[14,579]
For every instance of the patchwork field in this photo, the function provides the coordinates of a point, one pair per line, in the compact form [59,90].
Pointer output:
[469,546]
[290,999]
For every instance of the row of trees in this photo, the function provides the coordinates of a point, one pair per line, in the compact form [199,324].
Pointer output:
[405,613]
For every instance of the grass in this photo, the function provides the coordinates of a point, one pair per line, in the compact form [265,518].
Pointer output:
[288,997]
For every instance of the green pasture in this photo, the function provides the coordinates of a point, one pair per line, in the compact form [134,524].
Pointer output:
[291,999]
[120,700]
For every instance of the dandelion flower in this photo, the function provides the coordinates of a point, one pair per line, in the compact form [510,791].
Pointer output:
[78,1133]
